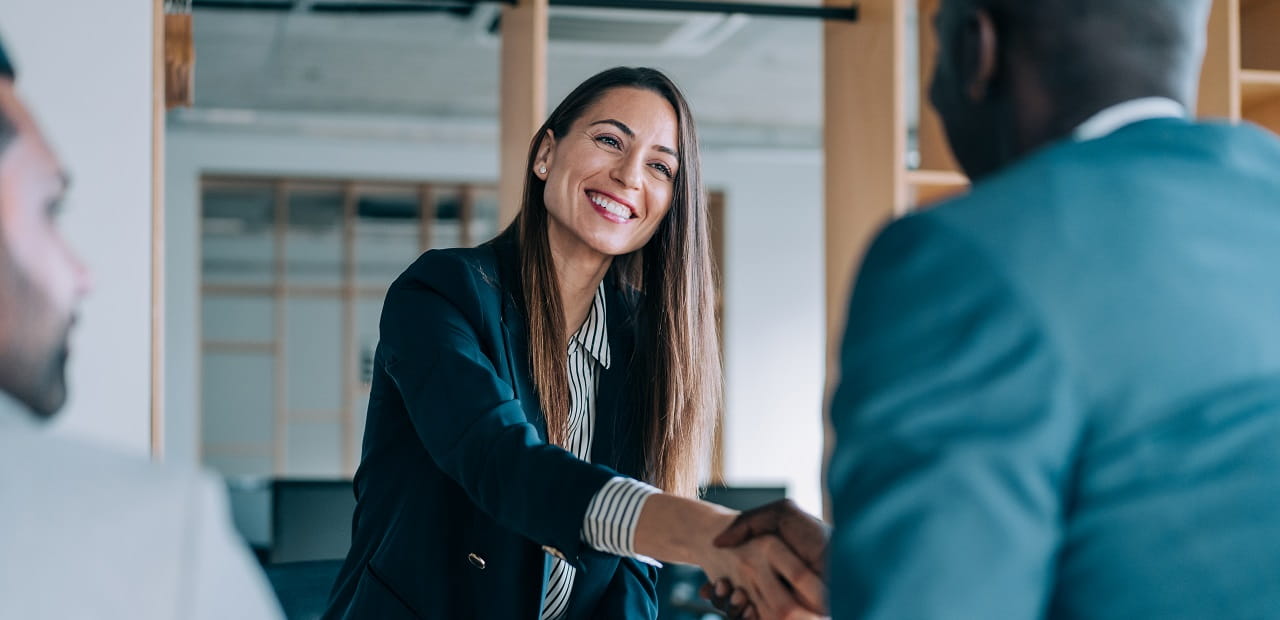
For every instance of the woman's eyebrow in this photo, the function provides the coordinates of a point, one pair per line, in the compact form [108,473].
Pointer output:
[631,134]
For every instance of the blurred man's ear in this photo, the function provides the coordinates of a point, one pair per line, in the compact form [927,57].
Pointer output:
[979,48]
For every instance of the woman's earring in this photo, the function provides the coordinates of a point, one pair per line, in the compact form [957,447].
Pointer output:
[542,169]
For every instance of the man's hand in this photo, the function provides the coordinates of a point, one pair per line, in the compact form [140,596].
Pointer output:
[804,533]
[730,601]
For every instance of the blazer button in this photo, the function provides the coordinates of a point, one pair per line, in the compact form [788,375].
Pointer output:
[476,561]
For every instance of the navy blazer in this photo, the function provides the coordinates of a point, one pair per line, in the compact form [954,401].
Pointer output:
[1060,393]
[460,500]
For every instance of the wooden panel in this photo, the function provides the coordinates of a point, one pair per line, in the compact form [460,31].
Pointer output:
[1258,87]
[931,186]
[522,95]
[179,60]
[865,141]
[1266,114]
[1260,35]
[931,138]
[222,448]
[220,346]
[1219,94]
[280,388]
[466,213]
[157,229]
[426,215]
[865,147]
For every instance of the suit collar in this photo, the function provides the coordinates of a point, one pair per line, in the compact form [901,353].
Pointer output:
[1125,113]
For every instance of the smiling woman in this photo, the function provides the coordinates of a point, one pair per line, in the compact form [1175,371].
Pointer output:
[530,397]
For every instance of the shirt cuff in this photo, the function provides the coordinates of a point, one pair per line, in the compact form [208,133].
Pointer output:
[610,524]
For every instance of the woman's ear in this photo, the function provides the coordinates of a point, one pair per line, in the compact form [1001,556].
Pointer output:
[546,150]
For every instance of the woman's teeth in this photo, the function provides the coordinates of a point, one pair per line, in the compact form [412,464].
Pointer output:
[611,206]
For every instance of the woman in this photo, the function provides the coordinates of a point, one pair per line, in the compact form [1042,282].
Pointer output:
[522,391]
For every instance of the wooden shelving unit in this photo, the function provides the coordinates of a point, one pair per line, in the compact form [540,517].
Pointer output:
[930,186]
[939,175]
[1260,62]
[1241,78]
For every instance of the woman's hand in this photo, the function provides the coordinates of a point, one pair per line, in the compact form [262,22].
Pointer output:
[774,581]
[779,584]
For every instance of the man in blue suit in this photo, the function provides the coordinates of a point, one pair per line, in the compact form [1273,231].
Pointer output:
[1060,393]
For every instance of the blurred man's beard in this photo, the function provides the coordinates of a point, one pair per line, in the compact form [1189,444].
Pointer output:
[51,390]
[33,362]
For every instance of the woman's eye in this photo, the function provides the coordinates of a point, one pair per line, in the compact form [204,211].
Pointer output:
[609,140]
[661,167]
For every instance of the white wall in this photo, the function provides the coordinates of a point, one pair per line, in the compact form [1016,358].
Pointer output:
[774,317]
[84,68]
[773,285]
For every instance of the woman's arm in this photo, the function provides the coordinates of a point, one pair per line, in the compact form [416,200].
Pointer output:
[631,593]
[467,416]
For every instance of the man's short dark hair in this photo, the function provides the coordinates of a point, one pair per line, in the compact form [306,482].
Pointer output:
[1076,42]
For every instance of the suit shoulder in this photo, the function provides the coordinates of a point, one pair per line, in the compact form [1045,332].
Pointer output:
[445,265]
[452,272]
[61,474]
[467,279]
[93,462]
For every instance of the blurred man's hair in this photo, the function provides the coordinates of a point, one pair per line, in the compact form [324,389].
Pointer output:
[1076,41]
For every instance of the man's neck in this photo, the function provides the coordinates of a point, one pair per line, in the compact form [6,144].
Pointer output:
[579,271]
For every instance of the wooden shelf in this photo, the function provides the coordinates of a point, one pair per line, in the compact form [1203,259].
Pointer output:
[937,178]
[929,186]
[1259,87]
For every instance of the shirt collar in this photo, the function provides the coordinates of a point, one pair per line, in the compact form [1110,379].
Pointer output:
[1127,113]
[593,336]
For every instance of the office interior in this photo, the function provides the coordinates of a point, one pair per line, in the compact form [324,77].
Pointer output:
[250,175]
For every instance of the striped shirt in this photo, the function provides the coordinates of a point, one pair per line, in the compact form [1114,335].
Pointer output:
[610,523]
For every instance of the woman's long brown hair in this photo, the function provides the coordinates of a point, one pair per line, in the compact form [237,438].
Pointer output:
[676,386]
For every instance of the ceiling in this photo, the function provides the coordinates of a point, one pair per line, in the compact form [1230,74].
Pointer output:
[758,77]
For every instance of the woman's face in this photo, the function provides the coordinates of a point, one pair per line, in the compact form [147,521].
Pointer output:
[610,179]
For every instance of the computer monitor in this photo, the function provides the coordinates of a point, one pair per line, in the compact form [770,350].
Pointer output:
[311,520]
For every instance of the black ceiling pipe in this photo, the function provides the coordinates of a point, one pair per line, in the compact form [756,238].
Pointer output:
[849,13]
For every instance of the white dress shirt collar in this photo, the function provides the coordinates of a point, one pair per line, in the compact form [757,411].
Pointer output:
[1127,113]
[593,336]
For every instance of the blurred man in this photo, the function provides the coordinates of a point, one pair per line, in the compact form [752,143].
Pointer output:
[85,533]
[1060,394]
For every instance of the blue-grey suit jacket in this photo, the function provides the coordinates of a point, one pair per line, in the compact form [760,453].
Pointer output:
[460,502]
[1060,394]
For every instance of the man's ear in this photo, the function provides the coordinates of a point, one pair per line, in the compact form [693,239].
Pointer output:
[980,47]
[546,150]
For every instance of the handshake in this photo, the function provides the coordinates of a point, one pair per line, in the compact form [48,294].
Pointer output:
[780,568]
